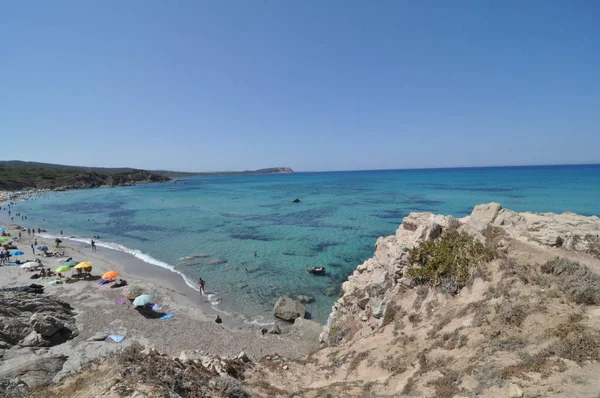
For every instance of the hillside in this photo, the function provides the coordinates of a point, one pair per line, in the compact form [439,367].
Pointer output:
[14,178]
[120,170]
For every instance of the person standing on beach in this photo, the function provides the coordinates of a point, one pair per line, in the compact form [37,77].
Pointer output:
[201,285]
[93,245]
[33,248]
[35,242]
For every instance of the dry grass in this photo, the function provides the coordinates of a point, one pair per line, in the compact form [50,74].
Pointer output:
[578,283]
[357,360]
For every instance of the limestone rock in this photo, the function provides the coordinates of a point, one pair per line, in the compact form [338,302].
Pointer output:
[514,391]
[486,212]
[288,309]
[31,368]
[243,357]
[307,329]
[23,313]
[46,325]
[33,339]
[275,329]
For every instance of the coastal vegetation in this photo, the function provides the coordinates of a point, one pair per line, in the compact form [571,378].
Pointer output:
[448,261]
[14,177]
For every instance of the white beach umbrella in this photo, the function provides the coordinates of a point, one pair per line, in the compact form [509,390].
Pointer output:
[31,264]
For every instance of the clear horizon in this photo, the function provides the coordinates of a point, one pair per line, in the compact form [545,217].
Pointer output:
[335,86]
[330,171]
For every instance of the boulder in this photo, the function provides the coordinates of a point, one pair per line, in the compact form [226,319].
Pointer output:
[514,391]
[24,313]
[288,309]
[307,329]
[31,368]
[33,339]
[46,325]
[486,213]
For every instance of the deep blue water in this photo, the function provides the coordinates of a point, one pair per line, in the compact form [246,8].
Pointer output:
[335,225]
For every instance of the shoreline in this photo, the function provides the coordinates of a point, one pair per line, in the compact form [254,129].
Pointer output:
[151,269]
[100,309]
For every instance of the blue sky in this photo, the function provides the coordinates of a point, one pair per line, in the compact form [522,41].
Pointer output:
[315,85]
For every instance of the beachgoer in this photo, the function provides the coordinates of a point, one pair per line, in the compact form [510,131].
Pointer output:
[19,234]
[32,248]
[201,285]
[1,258]
[35,242]
[61,231]
[255,254]
[218,320]
[93,245]
[59,275]
[28,231]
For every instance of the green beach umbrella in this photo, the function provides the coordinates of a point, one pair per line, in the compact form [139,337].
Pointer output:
[63,268]
[3,239]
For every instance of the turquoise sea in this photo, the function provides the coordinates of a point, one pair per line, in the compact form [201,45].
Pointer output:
[335,225]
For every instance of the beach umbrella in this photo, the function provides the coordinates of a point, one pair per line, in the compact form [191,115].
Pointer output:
[71,263]
[85,264]
[31,264]
[42,248]
[16,253]
[110,275]
[63,268]
[143,300]
[3,239]
[2,228]
[133,291]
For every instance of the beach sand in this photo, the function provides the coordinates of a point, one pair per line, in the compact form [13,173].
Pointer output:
[98,311]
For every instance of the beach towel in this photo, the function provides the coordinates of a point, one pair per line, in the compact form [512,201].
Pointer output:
[120,301]
[156,307]
[167,316]
[116,338]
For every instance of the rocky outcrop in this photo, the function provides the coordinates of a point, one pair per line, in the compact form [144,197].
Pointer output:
[288,309]
[363,305]
[33,320]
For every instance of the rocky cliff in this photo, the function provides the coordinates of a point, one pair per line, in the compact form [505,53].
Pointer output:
[524,320]
[368,290]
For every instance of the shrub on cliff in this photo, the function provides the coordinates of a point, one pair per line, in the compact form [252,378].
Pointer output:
[447,262]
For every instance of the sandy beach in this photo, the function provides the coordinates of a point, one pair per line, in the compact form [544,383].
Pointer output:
[100,310]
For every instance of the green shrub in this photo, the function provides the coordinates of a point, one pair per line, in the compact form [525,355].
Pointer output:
[448,261]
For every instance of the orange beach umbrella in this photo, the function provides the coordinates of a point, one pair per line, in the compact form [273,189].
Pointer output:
[110,275]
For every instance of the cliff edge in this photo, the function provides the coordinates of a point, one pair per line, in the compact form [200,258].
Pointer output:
[495,304]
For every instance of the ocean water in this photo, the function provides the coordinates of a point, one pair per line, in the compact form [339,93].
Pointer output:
[225,219]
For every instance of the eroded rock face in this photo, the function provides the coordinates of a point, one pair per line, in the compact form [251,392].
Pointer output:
[288,309]
[363,304]
[34,320]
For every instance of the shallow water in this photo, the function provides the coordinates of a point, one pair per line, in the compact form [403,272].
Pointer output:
[225,219]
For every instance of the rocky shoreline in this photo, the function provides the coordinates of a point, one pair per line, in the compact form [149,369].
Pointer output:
[525,321]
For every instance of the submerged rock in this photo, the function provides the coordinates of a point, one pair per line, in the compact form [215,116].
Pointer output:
[288,309]
[216,261]
[305,299]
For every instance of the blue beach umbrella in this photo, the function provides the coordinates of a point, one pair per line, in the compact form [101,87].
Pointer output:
[2,228]
[143,300]
[16,253]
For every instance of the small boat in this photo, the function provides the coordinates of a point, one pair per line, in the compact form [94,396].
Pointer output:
[317,270]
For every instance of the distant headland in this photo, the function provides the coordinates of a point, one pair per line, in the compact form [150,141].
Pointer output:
[17,175]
